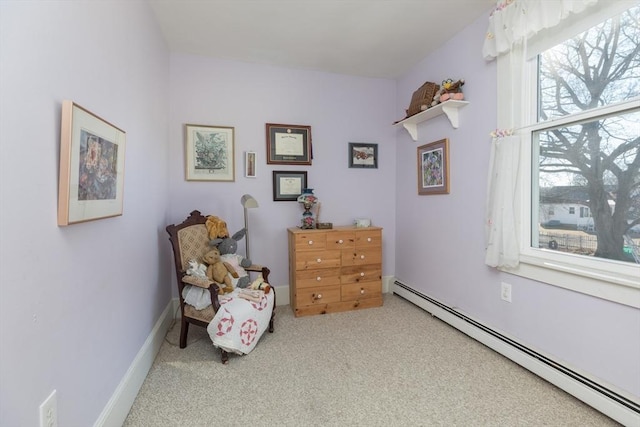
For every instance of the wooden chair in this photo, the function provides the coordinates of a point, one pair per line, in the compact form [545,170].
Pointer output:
[190,241]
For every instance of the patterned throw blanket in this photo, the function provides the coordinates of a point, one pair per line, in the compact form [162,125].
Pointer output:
[239,323]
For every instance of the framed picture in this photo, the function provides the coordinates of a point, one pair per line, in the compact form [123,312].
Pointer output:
[433,168]
[209,153]
[288,144]
[91,166]
[287,186]
[363,155]
[250,164]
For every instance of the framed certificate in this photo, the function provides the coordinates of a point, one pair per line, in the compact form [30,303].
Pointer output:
[287,185]
[288,144]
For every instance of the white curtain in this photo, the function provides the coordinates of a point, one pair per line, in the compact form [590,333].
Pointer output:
[500,226]
[514,21]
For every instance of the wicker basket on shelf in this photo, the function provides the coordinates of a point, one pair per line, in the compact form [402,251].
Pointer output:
[422,97]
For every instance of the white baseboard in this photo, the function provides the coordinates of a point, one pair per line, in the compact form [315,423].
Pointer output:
[597,400]
[122,399]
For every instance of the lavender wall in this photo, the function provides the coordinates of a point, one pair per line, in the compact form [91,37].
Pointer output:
[440,249]
[340,109]
[78,302]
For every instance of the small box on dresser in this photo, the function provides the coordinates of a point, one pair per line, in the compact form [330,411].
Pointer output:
[334,270]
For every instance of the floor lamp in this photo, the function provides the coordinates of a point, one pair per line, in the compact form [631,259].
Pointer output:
[248,202]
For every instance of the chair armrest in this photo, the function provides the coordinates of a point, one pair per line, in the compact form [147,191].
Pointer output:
[213,288]
[197,281]
[260,269]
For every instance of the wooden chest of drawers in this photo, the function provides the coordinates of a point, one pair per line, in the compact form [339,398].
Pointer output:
[335,270]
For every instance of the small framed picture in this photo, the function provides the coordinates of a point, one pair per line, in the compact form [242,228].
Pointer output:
[288,144]
[362,155]
[91,181]
[250,164]
[287,185]
[209,153]
[433,168]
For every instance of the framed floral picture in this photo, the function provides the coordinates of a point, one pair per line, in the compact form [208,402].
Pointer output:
[91,182]
[433,168]
[209,153]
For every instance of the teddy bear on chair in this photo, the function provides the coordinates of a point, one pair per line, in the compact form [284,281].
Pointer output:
[227,247]
[218,271]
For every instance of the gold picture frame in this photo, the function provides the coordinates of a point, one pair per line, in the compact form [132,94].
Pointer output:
[209,153]
[92,154]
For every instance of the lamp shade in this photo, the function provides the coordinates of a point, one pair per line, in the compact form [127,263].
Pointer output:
[248,202]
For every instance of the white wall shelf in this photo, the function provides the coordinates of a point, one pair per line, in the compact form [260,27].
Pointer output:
[449,108]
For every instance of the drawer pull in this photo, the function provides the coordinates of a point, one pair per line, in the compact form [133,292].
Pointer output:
[311,242]
[362,274]
[319,260]
[368,239]
[361,256]
[318,278]
[361,291]
[317,297]
[341,241]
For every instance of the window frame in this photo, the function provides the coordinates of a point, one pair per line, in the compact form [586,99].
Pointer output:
[517,109]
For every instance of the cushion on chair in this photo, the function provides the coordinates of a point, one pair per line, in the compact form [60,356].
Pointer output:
[205,315]
[197,281]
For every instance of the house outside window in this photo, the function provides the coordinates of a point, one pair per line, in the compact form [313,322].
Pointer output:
[579,119]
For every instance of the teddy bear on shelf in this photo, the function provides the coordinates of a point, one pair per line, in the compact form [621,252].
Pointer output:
[449,90]
[227,247]
[220,272]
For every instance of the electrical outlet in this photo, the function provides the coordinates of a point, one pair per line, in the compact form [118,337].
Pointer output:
[49,411]
[505,291]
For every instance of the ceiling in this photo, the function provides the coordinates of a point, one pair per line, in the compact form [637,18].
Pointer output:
[370,38]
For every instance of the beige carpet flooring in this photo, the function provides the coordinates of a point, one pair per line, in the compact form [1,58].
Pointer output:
[390,366]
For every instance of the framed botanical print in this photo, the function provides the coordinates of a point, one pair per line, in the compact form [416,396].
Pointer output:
[289,144]
[209,153]
[433,168]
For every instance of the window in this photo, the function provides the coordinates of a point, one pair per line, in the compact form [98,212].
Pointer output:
[579,119]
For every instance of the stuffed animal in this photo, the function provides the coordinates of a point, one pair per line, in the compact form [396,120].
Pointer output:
[260,284]
[449,90]
[219,271]
[216,227]
[228,247]
[196,269]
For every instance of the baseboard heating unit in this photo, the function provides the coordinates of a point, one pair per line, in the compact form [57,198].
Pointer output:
[609,402]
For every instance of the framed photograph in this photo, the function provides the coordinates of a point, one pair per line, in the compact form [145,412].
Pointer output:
[91,166]
[287,186]
[209,153]
[288,144]
[250,164]
[433,168]
[363,155]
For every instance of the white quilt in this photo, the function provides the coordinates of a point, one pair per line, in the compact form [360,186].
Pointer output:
[239,324]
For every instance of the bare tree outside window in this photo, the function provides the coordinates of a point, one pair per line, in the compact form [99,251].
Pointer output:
[592,163]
